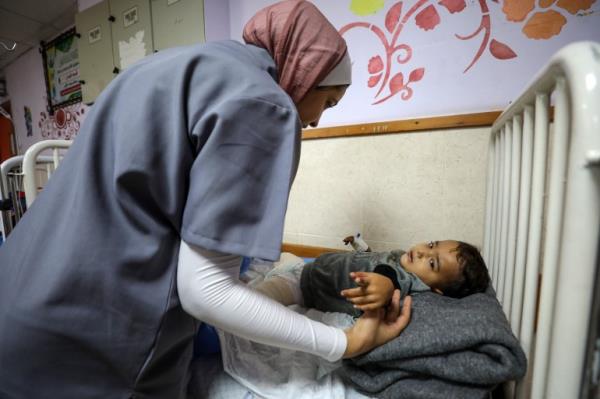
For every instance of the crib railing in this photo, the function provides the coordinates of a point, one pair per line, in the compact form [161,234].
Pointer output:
[543,217]
[11,182]
[23,174]
[30,161]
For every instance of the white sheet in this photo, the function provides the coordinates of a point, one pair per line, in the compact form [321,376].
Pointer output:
[276,373]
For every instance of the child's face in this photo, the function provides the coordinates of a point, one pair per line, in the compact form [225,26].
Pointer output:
[434,262]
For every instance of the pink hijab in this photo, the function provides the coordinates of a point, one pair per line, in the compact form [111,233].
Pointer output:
[303,44]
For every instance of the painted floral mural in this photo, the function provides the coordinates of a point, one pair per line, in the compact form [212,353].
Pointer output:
[540,20]
[548,20]
[64,124]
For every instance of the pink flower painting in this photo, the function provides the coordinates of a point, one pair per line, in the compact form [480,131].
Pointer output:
[544,23]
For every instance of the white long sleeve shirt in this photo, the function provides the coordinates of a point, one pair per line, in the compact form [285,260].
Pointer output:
[209,290]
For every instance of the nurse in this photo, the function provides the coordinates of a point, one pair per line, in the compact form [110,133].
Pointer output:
[183,165]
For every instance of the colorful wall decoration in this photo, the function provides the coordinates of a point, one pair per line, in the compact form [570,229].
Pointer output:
[542,24]
[29,103]
[417,58]
[61,70]
[64,124]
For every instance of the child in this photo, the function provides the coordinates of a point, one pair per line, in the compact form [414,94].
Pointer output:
[352,282]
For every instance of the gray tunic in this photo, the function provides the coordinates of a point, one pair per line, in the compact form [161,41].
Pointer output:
[196,143]
[322,280]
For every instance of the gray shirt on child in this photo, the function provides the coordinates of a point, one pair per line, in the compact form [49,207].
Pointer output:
[322,280]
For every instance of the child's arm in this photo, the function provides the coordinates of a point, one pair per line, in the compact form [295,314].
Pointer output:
[374,291]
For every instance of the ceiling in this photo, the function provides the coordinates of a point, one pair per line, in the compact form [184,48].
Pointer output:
[27,22]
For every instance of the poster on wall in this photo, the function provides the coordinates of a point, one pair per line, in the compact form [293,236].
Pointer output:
[422,58]
[61,71]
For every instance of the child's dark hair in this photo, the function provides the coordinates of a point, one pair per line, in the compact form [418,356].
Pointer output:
[474,276]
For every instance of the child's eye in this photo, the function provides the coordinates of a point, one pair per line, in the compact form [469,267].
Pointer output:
[430,244]
[431,263]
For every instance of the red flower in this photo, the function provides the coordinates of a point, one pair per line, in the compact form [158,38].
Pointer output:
[428,18]
[453,5]
[375,65]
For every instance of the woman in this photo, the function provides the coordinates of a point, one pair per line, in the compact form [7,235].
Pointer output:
[184,164]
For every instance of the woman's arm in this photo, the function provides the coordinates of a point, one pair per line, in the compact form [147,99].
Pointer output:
[209,290]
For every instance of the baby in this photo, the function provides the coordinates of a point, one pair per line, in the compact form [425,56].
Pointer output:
[352,282]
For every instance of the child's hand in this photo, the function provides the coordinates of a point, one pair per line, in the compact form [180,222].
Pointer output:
[374,291]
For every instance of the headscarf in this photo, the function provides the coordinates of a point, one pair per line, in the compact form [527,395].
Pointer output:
[303,43]
[340,75]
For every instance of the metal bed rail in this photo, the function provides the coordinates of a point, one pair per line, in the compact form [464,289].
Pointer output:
[543,218]
[20,177]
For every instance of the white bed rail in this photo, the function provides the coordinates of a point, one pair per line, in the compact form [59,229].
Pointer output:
[11,187]
[10,181]
[543,218]
[30,161]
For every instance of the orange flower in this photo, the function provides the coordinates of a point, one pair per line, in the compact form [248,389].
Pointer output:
[517,10]
[573,6]
[544,25]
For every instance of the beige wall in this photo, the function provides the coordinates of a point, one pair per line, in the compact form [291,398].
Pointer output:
[395,189]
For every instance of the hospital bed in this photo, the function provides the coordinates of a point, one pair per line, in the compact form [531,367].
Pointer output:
[542,229]
[22,176]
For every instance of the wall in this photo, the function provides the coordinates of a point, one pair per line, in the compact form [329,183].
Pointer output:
[405,188]
[27,88]
[420,58]
[396,189]
[27,93]
[25,85]
[216,20]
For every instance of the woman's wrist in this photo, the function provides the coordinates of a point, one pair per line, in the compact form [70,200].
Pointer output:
[354,345]
[350,345]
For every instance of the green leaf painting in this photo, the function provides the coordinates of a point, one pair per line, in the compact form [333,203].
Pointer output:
[366,7]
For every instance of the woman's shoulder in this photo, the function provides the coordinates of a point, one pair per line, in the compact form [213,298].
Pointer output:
[247,58]
[249,71]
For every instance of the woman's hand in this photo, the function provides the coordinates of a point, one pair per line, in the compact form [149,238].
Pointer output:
[376,327]
[374,291]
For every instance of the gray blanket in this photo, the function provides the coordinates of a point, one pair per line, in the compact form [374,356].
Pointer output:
[452,348]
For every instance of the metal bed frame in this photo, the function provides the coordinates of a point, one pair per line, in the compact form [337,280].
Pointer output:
[20,176]
[543,219]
